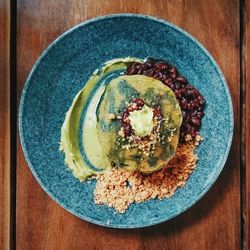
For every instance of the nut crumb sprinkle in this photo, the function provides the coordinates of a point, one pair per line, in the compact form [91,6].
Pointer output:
[111,116]
[118,188]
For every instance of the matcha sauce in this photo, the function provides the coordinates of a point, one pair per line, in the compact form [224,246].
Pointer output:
[85,103]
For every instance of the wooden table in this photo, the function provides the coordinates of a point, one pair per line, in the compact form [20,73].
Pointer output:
[31,220]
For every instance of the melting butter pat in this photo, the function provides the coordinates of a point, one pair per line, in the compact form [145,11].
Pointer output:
[142,121]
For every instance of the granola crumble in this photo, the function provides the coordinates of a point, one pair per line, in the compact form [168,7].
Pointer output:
[119,188]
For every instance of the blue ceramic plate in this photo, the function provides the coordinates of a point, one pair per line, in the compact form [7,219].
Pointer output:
[63,69]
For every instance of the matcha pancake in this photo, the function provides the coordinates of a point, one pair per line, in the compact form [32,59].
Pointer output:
[138,123]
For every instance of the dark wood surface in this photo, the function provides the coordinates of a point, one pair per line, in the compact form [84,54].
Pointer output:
[245,99]
[215,222]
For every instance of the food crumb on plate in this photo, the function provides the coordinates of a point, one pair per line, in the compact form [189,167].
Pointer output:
[119,188]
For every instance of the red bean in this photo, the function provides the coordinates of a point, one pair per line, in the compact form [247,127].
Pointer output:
[132,71]
[190,93]
[184,103]
[157,111]
[161,65]
[193,132]
[165,77]
[191,101]
[173,75]
[196,103]
[156,75]
[201,100]
[172,70]
[181,79]
[138,101]
[178,93]
[125,116]
[160,74]
[130,108]
[168,81]
[127,130]
[177,85]
[196,92]
[195,121]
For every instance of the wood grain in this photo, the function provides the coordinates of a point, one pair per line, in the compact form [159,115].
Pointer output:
[4,126]
[214,222]
[246,125]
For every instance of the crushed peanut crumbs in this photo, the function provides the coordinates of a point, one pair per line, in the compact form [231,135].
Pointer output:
[119,188]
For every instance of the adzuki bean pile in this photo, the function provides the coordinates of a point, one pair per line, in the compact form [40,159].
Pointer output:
[191,101]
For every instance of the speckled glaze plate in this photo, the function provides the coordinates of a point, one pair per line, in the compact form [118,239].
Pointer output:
[62,70]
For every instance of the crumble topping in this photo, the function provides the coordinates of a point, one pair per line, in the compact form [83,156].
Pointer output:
[119,188]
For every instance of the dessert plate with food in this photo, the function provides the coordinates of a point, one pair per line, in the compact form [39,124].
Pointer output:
[126,120]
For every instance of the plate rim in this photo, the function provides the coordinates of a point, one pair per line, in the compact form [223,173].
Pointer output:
[157,220]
